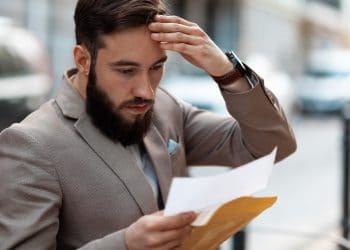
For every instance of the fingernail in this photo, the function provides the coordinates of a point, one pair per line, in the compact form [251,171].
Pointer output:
[189,215]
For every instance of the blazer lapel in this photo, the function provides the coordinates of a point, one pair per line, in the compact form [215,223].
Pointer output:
[114,155]
[157,150]
[121,163]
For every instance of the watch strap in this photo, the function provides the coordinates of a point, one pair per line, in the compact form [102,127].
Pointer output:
[229,77]
[238,71]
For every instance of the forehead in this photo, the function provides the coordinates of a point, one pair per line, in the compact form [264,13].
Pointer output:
[131,44]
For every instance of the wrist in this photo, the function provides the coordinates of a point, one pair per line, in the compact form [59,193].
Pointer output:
[223,68]
[126,239]
[238,71]
[230,77]
[234,73]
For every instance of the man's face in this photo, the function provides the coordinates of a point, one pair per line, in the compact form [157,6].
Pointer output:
[122,85]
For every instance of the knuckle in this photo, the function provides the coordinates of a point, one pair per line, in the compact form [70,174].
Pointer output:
[201,33]
[203,48]
[181,46]
[162,36]
[175,222]
[148,225]
[177,27]
[151,241]
[201,40]
[182,221]
[178,35]
[177,19]
[197,31]
[193,28]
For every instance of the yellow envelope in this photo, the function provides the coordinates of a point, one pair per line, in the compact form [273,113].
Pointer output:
[226,221]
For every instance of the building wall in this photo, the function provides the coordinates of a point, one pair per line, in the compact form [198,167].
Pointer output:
[15,9]
[250,27]
[272,30]
[267,27]
[52,22]
[219,18]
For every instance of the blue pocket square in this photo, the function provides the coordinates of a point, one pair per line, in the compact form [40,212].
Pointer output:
[172,146]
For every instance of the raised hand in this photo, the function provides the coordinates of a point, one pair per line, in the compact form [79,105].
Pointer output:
[177,34]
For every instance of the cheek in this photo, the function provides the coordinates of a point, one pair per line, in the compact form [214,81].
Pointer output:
[119,95]
[156,78]
[116,90]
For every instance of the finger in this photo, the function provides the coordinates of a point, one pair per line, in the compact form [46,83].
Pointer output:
[175,27]
[177,38]
[159,213]
[173,235]
[162,238]
[173,19]
[184,48]
[170,245]
[176,221]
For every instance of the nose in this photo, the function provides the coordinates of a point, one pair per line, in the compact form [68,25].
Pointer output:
[143,88]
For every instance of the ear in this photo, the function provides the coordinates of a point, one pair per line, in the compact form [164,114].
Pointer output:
[82,59]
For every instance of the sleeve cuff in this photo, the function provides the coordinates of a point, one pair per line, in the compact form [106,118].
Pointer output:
[251,79]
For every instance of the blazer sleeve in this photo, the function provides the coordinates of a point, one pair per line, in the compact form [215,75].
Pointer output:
[30,194]
[257,125]
[30,197]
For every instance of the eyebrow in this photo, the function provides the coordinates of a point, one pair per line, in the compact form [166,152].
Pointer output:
[135,64]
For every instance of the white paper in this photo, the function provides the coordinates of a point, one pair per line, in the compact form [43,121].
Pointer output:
[206,194]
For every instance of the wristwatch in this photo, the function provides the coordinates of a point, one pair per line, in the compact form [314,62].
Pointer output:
[237,72]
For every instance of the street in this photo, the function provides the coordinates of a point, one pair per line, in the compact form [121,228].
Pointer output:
[308,185]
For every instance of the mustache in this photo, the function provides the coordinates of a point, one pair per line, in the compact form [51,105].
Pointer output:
[136,101]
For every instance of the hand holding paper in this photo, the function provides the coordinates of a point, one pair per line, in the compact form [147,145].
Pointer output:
[221,201]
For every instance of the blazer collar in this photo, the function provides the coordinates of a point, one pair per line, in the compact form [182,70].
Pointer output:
[121,162]
[116,157]
[156,147]
[68,99]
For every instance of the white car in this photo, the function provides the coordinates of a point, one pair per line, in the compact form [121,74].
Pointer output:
[25,72]
[325,85]
[202,92]
[199,90]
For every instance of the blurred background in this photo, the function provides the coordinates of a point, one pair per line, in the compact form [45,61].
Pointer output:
[300,47]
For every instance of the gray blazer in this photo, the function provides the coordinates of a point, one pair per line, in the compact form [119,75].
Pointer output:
[63,185]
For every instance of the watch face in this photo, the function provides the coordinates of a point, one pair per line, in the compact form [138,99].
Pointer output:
[230,55]
[240,66]
[235,60]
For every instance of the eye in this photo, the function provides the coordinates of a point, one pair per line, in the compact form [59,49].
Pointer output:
[129,71]
[157,67]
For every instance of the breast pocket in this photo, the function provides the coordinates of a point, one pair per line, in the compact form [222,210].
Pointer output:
[177,157]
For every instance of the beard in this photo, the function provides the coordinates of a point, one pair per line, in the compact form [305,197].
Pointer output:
[108,118]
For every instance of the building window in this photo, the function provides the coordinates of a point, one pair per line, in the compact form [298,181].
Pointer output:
[332,3]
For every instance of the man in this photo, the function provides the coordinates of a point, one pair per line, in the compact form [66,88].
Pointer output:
[92,168]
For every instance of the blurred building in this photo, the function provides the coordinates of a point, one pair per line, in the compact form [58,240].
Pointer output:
[51,21]
[282,30]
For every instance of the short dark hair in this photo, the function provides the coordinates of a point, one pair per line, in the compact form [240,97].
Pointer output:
[94,18]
